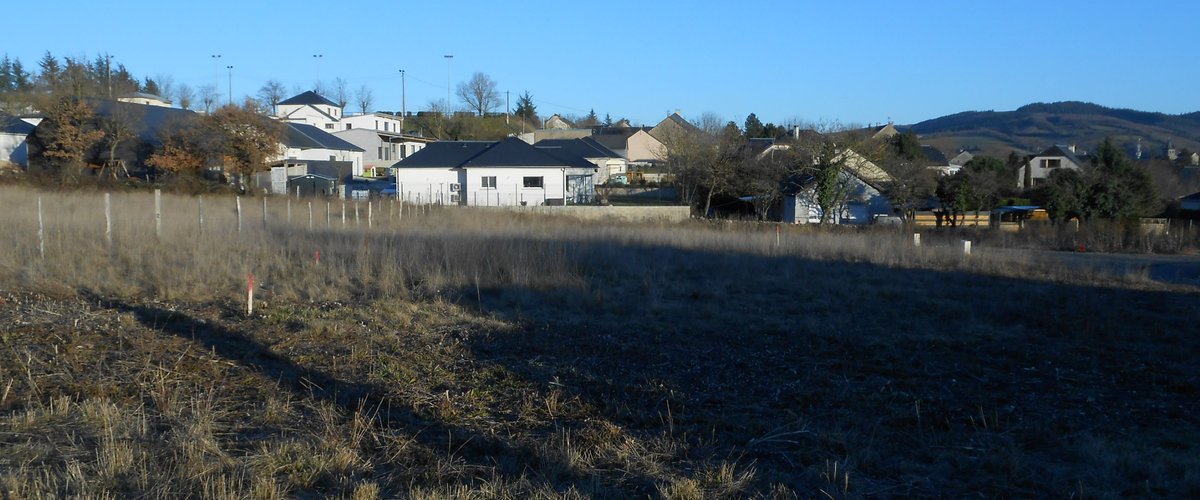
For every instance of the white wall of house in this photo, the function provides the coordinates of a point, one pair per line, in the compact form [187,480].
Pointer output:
[319,154]
[14,149]
[323,117]
[509,186]
[1041,167]
[429,185]
[606,168]
[374,121]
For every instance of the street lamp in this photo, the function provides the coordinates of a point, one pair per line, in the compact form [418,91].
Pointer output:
[230,68]
[448,58]
[318,58]
[403,101]
[216,71]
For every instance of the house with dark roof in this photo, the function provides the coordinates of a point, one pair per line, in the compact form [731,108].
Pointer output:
[862,202]
[933,159]
[144,98]
[381,149]
[1038,169]
[609,164]
[307,151]
[509,172]
[310,108]
[14,145]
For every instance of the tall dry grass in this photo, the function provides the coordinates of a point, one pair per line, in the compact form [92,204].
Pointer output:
[402,250]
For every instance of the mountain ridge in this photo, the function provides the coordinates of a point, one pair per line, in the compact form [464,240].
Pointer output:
[1035,126]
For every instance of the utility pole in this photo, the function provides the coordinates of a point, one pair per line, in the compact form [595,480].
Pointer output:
[448,58]
[230,68]
[403,101]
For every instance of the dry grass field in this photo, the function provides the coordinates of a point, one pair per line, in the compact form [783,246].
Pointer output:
[451,353]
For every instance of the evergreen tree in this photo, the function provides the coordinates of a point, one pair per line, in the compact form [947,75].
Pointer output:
[150,87]
[526,110]
[754,127]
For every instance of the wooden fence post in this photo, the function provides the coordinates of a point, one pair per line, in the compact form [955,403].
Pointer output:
[41,231]
[108,218]
[158,213]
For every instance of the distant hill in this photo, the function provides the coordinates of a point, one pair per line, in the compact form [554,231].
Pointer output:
[1034,127]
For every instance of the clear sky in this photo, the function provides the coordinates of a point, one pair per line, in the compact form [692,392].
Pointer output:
[855,62]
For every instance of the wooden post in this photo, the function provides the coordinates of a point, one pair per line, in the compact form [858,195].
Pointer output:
[200,210]
[343,213]
[41,231]
[370,207]
[355,212]
[289,210]
[158,213]
[238,200]
[108,218]
[264,212]
[328,215]
[310,216]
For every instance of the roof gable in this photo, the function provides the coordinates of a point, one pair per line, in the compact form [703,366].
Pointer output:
[444,154]
[304,136]
[513,152]
[13,125]
[309,98]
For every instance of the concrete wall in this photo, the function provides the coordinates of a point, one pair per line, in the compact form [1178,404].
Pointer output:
[13,148]
[666,214]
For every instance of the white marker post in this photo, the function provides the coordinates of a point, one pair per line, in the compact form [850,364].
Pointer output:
[200,210]
[250,295]
[343,214]
[238,209]
[328,215]
[966,245]
[310,216]
[289,210]
[264,212]
[370,209]
[916,239]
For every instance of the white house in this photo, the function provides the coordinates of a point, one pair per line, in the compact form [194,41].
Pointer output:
[306,142]
[375,121]
[862,183]
[509,172]
[382,149]
[862,203]
[1039,167]
[13,145]
[312,109]
[144,98]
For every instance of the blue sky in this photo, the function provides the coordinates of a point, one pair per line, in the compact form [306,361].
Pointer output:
[786,61]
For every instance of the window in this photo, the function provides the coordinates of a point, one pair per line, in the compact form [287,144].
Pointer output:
[533,182]
[1051,163]
[349,126]
[329,126]
[488,182]
[385,126]
[379,154]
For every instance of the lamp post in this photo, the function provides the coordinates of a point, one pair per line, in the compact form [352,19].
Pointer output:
[403,101]
[318,58]
[216,58]
[448,58]
[108,70]
[230,68]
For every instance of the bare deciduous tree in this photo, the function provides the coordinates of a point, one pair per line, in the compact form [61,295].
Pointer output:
[209,95]
[479,93]
[184,96]
[341,95]
[271,93]
[365,97]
